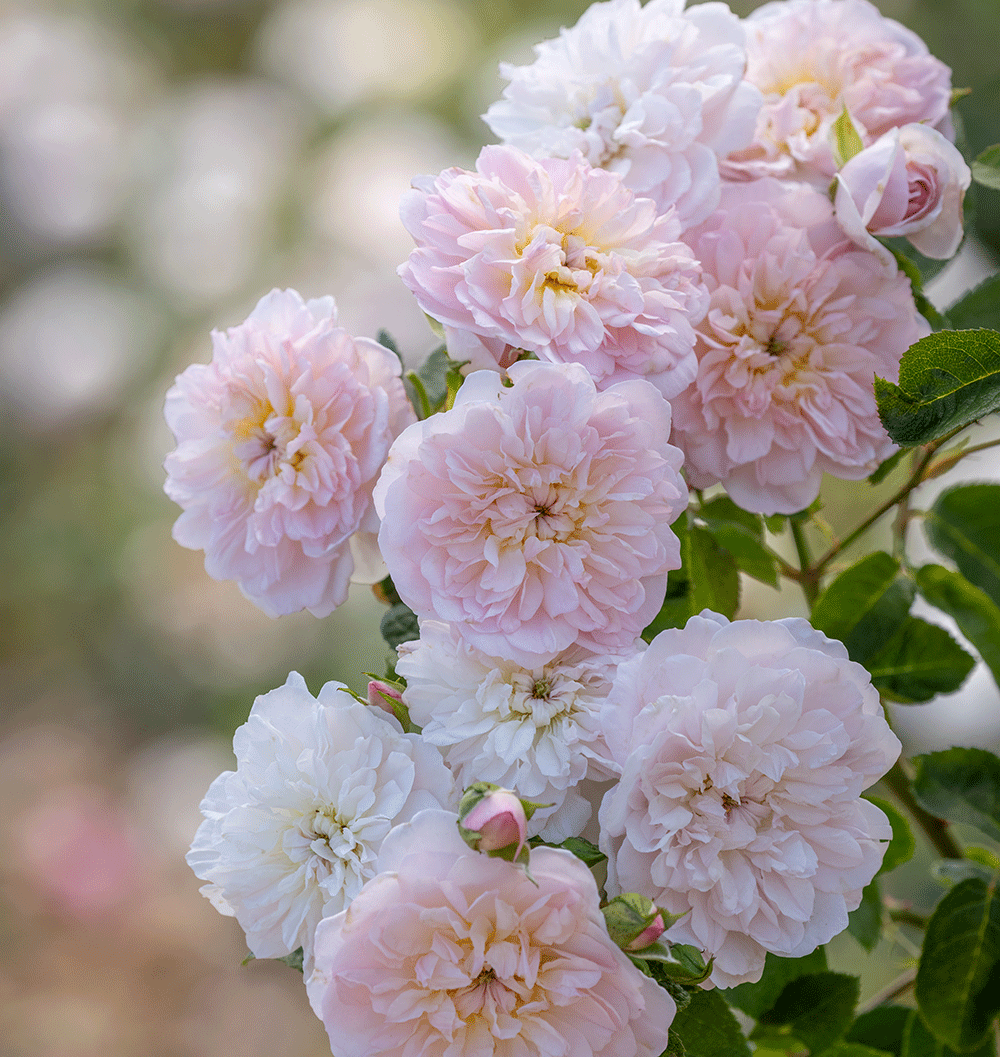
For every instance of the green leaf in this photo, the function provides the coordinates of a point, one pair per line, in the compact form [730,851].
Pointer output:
[707,579]
[847,141]
[428,385]
[885,468]
[953,871]
[919,661]
[964,525]
[961,785]
[386,340]
[946,381]
[816,1009]
[980,307]
[975,613]
[741,534]
[881,1028]
[866,605]
[757,998]
[865,923]
[399,624]
[919,1042]
[582,849]
[902,845]
[707,1028]
[958,980]
[986,167]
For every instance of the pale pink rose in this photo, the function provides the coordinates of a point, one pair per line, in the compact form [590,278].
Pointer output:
[279,442]
[533,729]
[800,322]
[813,58]
[655,93]
[745,747]
[293,833]
[536,516]
[449,953]
[910,183]
[553,257]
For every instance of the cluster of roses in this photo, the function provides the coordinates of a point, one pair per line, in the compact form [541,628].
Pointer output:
[679,231]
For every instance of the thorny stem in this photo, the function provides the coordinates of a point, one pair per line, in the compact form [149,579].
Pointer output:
[935,829]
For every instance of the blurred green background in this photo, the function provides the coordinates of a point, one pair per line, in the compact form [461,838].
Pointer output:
[163,163]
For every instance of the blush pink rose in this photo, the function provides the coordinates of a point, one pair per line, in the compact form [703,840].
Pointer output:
[536,516]
[813,58]
[910,182]
[279,442]
[553,257]
[800,323]
[744,748]
[450,953]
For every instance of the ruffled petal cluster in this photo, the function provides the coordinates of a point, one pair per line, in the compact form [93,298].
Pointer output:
[557,258]
[800,322]
[449,953]
[813,58]
[279,442]
[293,833]
[536,516]
[654,93]
[744,749]
[535,730]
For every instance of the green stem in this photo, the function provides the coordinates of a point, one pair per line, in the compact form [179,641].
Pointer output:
[808,576]
[899,986]
[903,916]
[935,829]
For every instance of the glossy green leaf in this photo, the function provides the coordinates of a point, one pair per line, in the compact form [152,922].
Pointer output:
[980,307]
[964,525]
[865,923]
[757,998]
[958,980]
[880,1028]
[946,380]
[741,534]
[986,167]
[865,605]
[919,661]
[707,1027]
[919,1042]
[816,1009]
[961,785]
[902,845]
[975,613]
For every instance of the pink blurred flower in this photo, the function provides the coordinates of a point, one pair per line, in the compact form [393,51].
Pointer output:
[652,92]
[450,952]
[279,441]
[911,183]
[556,258]
[800,323]
[813,58]
[537,516]
[744,748]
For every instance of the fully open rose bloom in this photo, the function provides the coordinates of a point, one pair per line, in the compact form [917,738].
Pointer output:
[744,748]
[910,183]
[279,442]
[536,516]
[655,93]
[535,730]
[813,58]
[800,322]
[292,834]
[450,953]
[556,258]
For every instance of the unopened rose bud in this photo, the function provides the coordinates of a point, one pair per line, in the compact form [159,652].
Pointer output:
[497,822]
[653,931]
[381,695]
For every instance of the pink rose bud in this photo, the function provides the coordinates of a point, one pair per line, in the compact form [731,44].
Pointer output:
[496,822]
[911,183]
[653,931]
[381,695]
